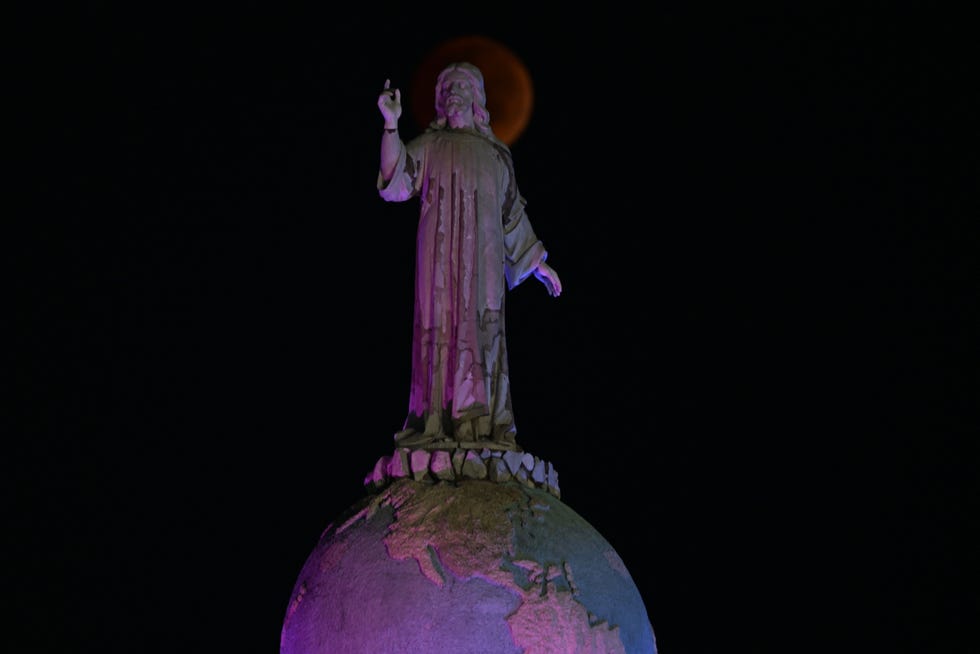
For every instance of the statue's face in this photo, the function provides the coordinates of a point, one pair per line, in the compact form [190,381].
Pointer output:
[457,93]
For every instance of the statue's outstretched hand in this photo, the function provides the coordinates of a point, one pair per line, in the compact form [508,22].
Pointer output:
[547,276]
[390,103]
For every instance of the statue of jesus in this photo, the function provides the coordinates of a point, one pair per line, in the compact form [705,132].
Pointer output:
[474,242]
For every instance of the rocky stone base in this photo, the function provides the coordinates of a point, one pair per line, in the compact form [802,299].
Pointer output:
[460,463]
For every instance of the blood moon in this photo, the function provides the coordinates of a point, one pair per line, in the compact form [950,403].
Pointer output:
[510,94]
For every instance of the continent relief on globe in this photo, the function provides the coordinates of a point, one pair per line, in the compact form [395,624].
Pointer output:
[467,567]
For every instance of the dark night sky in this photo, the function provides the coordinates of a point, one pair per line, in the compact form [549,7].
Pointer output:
[759,384]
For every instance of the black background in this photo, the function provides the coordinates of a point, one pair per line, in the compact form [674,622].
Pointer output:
[759,384]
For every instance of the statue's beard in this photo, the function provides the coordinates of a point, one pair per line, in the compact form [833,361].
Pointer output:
[454,104]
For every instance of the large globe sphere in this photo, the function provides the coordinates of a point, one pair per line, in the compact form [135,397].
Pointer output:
[467,567]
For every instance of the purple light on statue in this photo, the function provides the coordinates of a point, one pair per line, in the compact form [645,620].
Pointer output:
[462,544]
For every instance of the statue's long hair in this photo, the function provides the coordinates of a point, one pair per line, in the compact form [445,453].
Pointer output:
[481,116]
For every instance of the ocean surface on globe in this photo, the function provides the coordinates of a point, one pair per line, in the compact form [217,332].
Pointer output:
[467,567]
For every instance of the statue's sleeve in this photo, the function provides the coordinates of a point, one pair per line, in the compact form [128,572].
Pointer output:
[522,249]
[406,182]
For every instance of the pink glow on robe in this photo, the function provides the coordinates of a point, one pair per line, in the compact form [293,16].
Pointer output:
[475,242]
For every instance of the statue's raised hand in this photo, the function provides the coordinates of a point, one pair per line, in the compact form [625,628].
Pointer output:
[390,104]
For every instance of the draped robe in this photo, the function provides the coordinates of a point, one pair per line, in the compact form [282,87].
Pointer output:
[474,242]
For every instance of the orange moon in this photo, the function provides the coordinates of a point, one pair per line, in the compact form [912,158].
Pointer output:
[510,94]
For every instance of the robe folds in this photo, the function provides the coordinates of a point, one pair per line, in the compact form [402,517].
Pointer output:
[474,242]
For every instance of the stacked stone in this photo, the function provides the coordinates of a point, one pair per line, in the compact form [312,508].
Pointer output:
[444,465]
